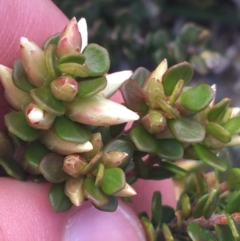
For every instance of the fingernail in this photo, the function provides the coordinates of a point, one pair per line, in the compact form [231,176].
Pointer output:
[91,224]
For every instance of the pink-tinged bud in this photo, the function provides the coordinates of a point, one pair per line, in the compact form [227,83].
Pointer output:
[74,164]
[54,143]
[70,39]
[114,158]
[17,98]
[99,111]
[73,189]
[114,82]
[34,62]
[96,141]
[37,117]
[64,88]
[127,191]
[154,122]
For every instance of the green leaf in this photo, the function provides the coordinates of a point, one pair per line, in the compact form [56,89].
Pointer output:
[209,158]
[223,233]
[233,203]
[233,179]
[12,168]
[169,149]
[158,173]
[168,214]
[93,193]
[218,109]
[117,130]
[211,203]
[17,125]
[59,201]
[197,98]
[113,180]
[20,78]
[232,125]
[156,209]
[140,75]
[71,131]
[186,130]
[45,99]
[141,168]
[97,59]
[149,229]
[74,57]
[111,206]
[51,167]
[173,168]
[33,155]
[201,202]
[100,174]
[171,77]
[143,140]
[74,69]
[234,227]
[91,87]
[92,165]
[167,233]
[196,233]
[218,132]
[52,61]
[52,40]
[133,96]
[176,92]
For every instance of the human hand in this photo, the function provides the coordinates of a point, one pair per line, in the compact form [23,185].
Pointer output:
[25,212]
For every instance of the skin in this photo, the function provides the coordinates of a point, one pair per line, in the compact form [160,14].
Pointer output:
[25,213]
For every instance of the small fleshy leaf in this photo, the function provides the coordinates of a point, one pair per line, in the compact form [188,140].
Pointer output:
[143,140]
[140,75]
[126,192]
[45,99]
[211,203]
[233,203]
[92,165]
[156,209]
[186,130]
[209,158]
[100,174]
[234,227]
[232,125]
[51,167]
[176,72]
[111,206]
[115,159]
[17,125]
[196,233]
[72,58]
[233,179]
[140,168]
[91,87]
[133,96]
[113,180]
[149,229]
[93,193]
[168,214]
[223,233]
[97,59]
[198,209]
[74,69]
[174,168]
[218,132]
[176,92]
[33,155]
[59,201]
[13,168]
[167,233]
[71,131]
[169,149]
[117,130]
[20,78]
[197,98]
[218,109]
[51,40]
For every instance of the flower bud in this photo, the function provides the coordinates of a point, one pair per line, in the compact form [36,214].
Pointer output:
[17,98]
[37,117]
[34,62]
[154,122]
[70,39]
[114,158]
[74,164]
[73,189]
[54,143]
[99,111]
[64,88]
